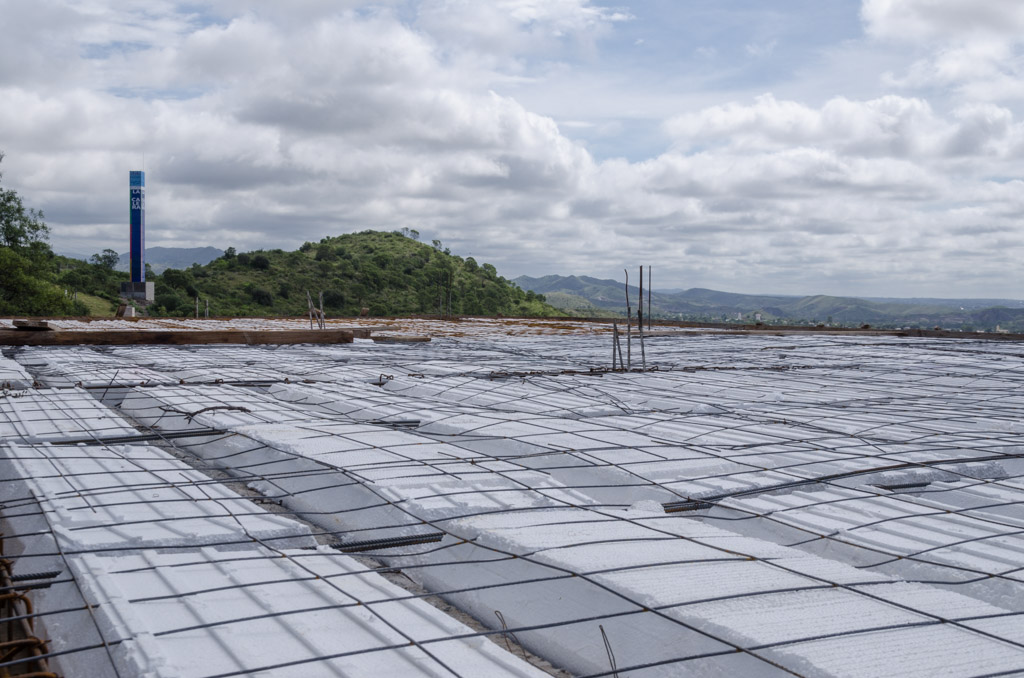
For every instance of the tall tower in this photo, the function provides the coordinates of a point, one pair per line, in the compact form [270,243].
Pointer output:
[138,288]
[137,228]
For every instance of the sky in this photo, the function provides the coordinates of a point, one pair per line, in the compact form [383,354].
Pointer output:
[871,147]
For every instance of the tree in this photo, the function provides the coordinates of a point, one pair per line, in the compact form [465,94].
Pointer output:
[229,254]
[324,252]
[169,301]
[172,277]
[108,259]
[261,296]
[27,268]
[21,229]
[22,291]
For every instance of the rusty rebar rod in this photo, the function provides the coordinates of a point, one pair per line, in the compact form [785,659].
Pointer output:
[17,634]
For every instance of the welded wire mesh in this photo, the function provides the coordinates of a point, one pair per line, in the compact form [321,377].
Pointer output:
[760,505]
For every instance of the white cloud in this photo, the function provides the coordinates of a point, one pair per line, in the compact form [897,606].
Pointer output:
[972,47]
[916,20]
[512,29]
[890,126]
[761,50]
[265,128]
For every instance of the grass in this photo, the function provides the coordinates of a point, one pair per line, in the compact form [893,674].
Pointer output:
[96,305]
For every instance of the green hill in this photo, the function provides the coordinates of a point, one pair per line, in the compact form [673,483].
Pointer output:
[573,304]
[388,273]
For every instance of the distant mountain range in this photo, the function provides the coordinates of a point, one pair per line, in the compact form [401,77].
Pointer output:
[584,295]
[162,258]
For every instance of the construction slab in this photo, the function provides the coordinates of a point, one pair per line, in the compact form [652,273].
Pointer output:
[812,504]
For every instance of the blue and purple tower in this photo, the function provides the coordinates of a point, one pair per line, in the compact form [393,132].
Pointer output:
[137,228]
[138,288]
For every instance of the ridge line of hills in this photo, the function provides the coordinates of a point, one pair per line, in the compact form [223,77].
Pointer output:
[393,273]
[159,258]
[585,295]
[388,273]
[162,258]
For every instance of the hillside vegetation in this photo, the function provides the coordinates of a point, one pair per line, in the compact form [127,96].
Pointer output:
[388,273]
[29,271]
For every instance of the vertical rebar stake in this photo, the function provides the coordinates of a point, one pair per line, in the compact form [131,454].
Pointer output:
[629,323]
[649,297]
[618,346]
[640,328]
[615,333]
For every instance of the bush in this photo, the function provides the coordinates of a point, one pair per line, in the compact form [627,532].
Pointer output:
[24,292]
[169,301]
[260,262]
[172,277]
[261,296]
[324,252]
[333,299]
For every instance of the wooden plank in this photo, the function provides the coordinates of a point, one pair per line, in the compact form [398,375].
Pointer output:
[32,325]
[365,332]
[175,338]
[396,339]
